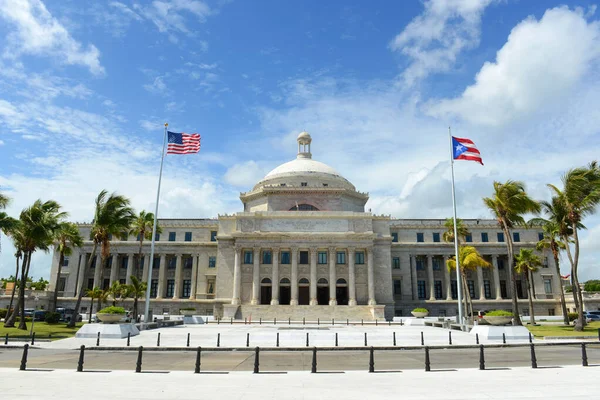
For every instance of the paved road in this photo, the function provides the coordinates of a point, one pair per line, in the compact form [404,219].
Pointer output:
[441,359]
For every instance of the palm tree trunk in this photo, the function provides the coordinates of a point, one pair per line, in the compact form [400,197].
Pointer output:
[77,277]
[12,295]
[139,259]
[530,296]
[135,307]
[579,324]
[22,323]
[468,302]
[61,259]
[563,304]
[513,278]
[91,309]
[88,265]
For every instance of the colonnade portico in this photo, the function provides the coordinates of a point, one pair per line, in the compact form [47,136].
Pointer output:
[276,277]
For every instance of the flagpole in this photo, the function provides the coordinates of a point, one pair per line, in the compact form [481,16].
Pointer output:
[458,280]
[151,260]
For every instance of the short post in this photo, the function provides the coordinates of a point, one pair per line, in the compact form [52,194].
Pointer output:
[218,320]
[6,339]
[230,321]
[277,344]
[23,366]
[477,338]
[394,338]
[332,321]
[289,321]
[375,321]
[33,338]
[584,360]
[98,339]
[158,340]
[336,339]
[306,339]
[138,364]
[530,338]
[247,339]
[347,322]
[256,359]
[422,339]
[318,321]
[188,340]
[198,358]
[450,337]
[304,321]
[365,338]
[533,359]
[128,338]
[245,320]
[371,360]
[390,323]
[260,321]
[313,369]
[218,339]
[503,338]
[427,361]
[362,322]
[81,355]
[401,323]
[481,358]
[274,321]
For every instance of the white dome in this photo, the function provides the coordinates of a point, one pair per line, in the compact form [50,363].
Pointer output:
[300,166]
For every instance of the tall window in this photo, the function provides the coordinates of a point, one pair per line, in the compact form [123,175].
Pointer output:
[503,292]
[520,291]
[267,257]
[172,263]
[304,257]
[156,263]
[142,263]
[437,263]
[153,287]
[454,289]
[213,236]
[124,262]
[93,265]
[397,287]
[188,236]
[157,237]
[248,257]
[500,236]
[548,285]
[394,237]
[396,262]
[484,237]
[359,257]
[285,257]
[471,286]
[212,262]
[516,237]
[341,257]
[421,290]
[187,262]
[487,289]
[437,286]
[187,287]
[500,263]
[322,257]
[66,261]
[172,236]
[540,236]
[436,237]
[90,284]
[420,263]
[170,287]
[420,237]
[468,238]
[61,284]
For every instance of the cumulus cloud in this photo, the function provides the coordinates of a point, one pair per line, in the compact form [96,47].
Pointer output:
[37,32]
[245,175]
[541,62]
[433,40]
[169,15]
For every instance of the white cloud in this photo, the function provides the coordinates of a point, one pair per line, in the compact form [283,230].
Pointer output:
[245,175]
[1,142]
[168,15]
[540,64]
[157,86]
[37,32]
[433,40]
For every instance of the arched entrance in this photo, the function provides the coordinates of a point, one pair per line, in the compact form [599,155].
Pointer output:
[285,291]
[341,292]
[322,292]
[304,292]
[265,291]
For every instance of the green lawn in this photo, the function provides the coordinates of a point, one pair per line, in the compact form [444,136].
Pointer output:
[562,330]
[42,330]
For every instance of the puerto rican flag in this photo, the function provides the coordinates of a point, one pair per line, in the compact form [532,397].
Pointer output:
[465,149]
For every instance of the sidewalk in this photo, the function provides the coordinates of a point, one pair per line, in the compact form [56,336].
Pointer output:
[516,383]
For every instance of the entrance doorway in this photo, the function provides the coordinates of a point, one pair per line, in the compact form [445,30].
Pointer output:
[341,292]
[303,292]
[322,292]
[265,291]
[285,292]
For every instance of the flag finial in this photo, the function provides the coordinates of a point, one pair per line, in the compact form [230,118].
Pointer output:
[166,124]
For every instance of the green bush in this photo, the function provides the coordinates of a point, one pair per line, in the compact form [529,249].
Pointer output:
[52,317]
[499,313]
[112,310]
[419,309]
[187,309]
[568,289]
[592,286]
[572,316]
[3,312]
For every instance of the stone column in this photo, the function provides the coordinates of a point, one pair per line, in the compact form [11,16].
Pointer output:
[480,280]
[256,276]
[496,277]
[275,284]
[97,277]
[351,278]
[178,283]
[114,268]
[294,299]
[237,276]
[130,262]
[430,276]
[313,276]
[448,279]
[202,266]
[144,268]
[371,276]
[194,288]
[332,277]
[160,292]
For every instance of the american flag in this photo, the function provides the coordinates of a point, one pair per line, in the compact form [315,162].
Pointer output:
[183,143]
[465,149]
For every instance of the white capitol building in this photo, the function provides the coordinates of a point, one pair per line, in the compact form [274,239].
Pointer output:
[305,247]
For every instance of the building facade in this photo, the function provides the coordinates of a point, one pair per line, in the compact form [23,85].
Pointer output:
[304,247]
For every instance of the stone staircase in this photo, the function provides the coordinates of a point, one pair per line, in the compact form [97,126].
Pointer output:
[310,313]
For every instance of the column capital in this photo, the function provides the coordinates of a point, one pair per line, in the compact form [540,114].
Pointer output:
[312,250]
[256,248]
[369,249]
[351,249]
[237,248]
[332,249]
[294,249]
[275,250]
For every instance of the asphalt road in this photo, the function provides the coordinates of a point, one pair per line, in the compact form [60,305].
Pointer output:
[441,359]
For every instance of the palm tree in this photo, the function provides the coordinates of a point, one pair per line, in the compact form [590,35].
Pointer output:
[67,237]
[102,298]
[112,216]
[580,196]
[141,227]
[137,289]
[118,292]
[526,264]
[461,229]
[37,230]
[7,224]
[469,260]
[92,294]
[508,204]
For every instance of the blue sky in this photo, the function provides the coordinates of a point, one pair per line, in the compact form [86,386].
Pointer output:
[85,88]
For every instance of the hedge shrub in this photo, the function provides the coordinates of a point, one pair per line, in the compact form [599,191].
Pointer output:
[52,317]
[112,310]
[419,309]
[572,316]
[3,312]
[499,313]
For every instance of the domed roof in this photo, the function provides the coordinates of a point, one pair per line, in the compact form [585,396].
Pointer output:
[300,166]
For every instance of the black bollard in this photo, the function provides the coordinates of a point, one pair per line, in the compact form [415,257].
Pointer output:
[138,364]
[530,338]
[313,368]
[33,339]
[533,358]
[188,340]
[401,323]
[336,339]
[81,355]
[362,322]
[198,360]
[98,340]
[230,321]
[23,366]
[245,320]
[371,360]
[347,322]
[303,320]
[256,359]
[318,321]
[394,338]
[332,321]
[274,321]
[427,361]
[422,339]
[289,321]
[365,338]
[503,338]
[584,360]
[260,321]
[247,339]
[158,340]
[481,358]
[218,340]
[375,322]
[6,339]
[306,339]
[218,320]
[477,338]
[277,344]
[390,323]
[128,338]
[450,337]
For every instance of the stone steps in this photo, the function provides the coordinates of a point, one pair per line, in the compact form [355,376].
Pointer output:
[310,313]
